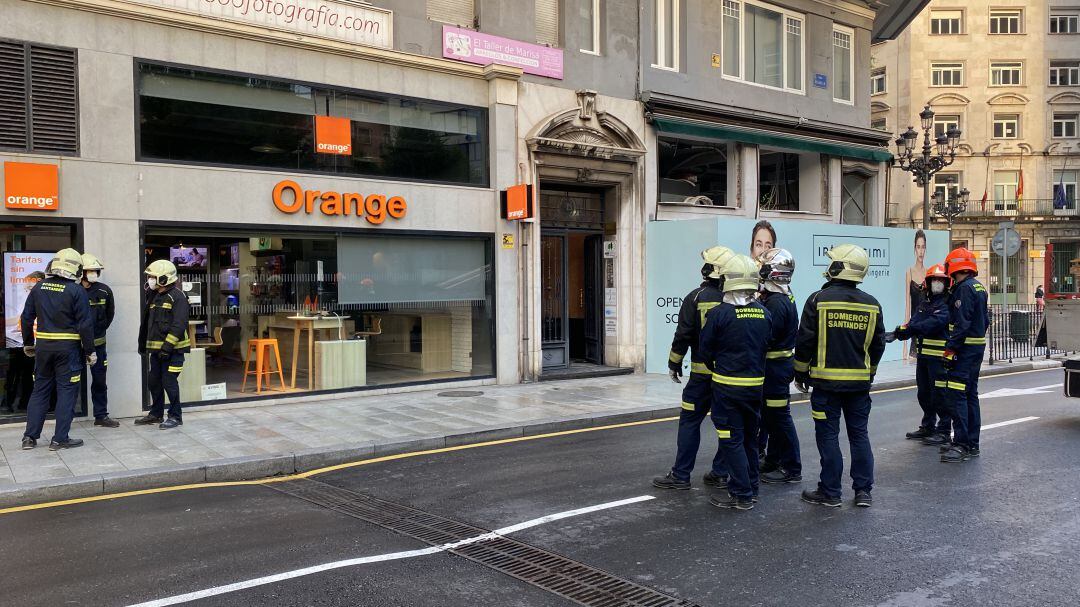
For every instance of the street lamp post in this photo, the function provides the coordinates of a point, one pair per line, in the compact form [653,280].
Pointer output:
[950,209]
[923,166]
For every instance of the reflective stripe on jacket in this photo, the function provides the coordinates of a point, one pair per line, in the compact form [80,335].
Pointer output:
[929,327]
[780,356]
[841,338]
[165,321]
[695,306]
[735,338]
[969,315]
[62,312]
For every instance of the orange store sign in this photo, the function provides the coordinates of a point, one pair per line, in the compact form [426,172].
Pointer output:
[31,187]
[333,135]
[290,198]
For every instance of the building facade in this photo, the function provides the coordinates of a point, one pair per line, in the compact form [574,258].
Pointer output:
[1008,75]
[333,178]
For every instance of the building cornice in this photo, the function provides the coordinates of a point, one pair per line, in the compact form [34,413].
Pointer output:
[170,18]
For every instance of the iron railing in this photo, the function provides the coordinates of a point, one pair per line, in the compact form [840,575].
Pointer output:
[1013,332]
[1028,208]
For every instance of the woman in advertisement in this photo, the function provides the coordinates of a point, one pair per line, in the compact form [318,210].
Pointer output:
[913,279]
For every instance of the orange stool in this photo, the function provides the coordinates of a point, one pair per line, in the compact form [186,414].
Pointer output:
[261,350]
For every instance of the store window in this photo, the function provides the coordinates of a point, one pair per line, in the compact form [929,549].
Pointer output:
[189,115]
[763,44]
[778,181]
[694,172]
[344,311]
[1062,264]
[856,199]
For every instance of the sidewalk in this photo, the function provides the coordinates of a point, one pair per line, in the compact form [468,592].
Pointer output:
[259,440]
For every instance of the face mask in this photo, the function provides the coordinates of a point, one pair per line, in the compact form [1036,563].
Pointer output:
[92,276]
[937,288]
[151,283]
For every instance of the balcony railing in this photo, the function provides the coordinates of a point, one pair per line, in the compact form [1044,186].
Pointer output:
[1029,208]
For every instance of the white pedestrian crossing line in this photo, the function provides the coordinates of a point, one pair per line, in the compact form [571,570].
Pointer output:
[1009,422]
[379,558]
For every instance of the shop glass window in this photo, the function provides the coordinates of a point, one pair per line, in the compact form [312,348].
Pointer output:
[667,34]
[778,181]
[1064,73]
[1062,278]
[1006,126]
[946,74]
[365,310]
[1006,73]
[948,22]
[1006,21]
[1065,125]
[1065,188]
[39,107]
[878,81]
[763,44]
[193,116]
[1064,23]
[947,184]
[944,122]
[694,172]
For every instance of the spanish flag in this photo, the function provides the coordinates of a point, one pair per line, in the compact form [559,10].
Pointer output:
[1020,192]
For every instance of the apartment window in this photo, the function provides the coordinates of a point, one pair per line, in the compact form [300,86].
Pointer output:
[547,22]
[1006,73]
[1064,73]
[947,184]
[1065,188]
[763,44]
[944,122]
[881,124]
[39,108]
[1006,126]
[843,65]
[1005,184]
[1006,21]
[946,74]
[592,46]
[946,22]
[878,81]
[667,34]
[1065,125]
[454,12]
[1064,23]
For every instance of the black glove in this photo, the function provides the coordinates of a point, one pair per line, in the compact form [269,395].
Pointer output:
[675,367]
[901,332]
[165,352]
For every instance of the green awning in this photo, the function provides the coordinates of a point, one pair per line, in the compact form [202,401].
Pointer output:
[709,130]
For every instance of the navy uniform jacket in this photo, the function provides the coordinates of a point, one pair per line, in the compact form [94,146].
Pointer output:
[103,308]
[735,339]
[688,332]
[165,322]
[780,357]
[969,316]
[929,327]
[62,312]
[841,338]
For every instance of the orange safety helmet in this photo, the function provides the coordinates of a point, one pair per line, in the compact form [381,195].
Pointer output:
[936,271]
[961,260]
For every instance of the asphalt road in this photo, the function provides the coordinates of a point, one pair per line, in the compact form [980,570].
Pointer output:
[1000,530]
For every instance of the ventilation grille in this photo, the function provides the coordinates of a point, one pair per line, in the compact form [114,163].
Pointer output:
[39,108]
[13,101]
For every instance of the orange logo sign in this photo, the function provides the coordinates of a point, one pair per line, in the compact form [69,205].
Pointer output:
[375,208]
[31,187]
[517,202]
[333,135]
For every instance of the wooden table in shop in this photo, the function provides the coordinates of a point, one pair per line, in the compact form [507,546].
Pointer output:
[311,324]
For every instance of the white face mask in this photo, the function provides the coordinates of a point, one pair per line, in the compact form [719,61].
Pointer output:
[151,283]
[92,276]
[937,287]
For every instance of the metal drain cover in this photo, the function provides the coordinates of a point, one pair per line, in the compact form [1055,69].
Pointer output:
[460,393]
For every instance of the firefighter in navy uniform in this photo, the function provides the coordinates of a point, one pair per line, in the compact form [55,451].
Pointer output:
[969,318]
[65,331]
[163,335]
[103,309]
[734,340]
[928,329]
[782,459]
[697,395]
[841,340]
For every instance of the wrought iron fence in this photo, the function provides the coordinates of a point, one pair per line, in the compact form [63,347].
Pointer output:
[1028,208]
[1014,329]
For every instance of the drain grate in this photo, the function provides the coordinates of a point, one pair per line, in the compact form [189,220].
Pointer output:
[552,572]
[460,393]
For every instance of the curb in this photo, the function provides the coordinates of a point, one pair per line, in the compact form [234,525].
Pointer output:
[263,466]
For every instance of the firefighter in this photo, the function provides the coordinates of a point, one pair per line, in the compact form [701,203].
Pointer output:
[734,340]
[64,332]
[163,335]
[840,342]
[964,348]
[102,308]
[697,394]
[928,329]
[783,463]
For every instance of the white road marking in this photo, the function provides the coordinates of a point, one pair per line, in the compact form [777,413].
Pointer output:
[1009,422]
[1003,392]
[378,558]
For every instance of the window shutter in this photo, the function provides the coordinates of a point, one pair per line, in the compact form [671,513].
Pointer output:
[454,12]
[54,108]
[13,132]
[547,22]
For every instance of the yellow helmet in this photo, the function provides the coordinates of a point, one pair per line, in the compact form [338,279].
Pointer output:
[67,264]
[163,271]
[849,262]
[741,273]
[715,257]
[90,262]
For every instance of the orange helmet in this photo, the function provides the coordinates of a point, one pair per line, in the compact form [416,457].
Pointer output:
[961,260]
[936,271]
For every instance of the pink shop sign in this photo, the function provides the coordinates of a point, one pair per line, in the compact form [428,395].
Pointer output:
[482,49]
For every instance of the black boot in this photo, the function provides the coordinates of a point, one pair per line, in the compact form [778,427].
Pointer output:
[819,498]
[70,443]
[863,499]
[729,501]
[28,443]
[921,432]
[669,481]
[147,420]
[107,422]
[956,453]
[715,480]
[936,440]
[780,476]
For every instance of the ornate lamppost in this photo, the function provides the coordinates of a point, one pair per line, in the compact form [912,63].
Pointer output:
[923,166]
[950,209]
